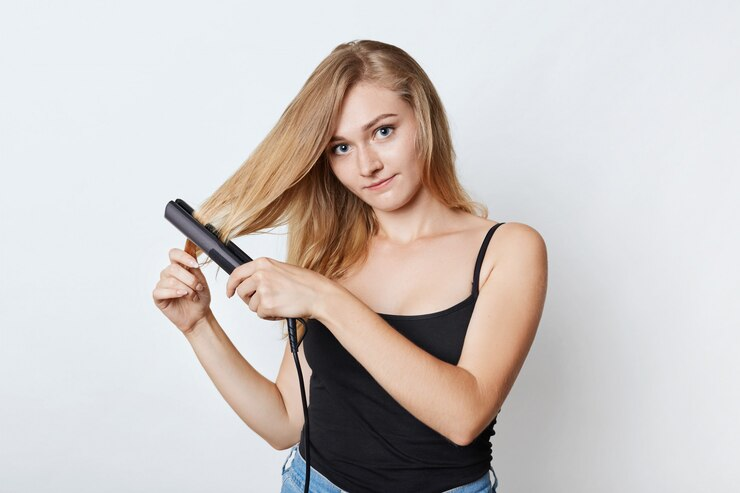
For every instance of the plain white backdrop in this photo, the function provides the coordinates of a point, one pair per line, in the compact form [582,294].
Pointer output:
[610,127]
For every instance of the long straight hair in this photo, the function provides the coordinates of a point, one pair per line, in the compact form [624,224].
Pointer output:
[287,179]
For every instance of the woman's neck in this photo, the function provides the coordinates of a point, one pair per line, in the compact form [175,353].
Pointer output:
[424,216]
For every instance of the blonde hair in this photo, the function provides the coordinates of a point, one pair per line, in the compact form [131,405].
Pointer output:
[287,179]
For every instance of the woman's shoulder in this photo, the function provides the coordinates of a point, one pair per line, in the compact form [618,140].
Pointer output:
[484,223]
[512,241]
[512,230]
[515,231]
[511,233]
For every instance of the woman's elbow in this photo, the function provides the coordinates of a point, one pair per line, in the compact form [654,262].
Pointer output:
[283,445]
[462,438]
[288,437]
[469,430]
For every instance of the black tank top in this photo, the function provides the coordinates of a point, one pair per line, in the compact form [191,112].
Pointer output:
[362,440]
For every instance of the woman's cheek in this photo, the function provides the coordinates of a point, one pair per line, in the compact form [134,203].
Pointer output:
[344,180]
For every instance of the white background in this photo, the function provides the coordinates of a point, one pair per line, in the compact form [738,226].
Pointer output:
[610,127]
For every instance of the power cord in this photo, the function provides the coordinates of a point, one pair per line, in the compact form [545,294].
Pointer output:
[294,343]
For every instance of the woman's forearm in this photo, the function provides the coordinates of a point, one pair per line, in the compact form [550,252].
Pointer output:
[256,400]
[442,396]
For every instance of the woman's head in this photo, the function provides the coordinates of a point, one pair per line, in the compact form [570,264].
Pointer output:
[373,63]
[288,179]
[373,150]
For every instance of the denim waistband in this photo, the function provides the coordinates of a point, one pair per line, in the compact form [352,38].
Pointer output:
[295,465]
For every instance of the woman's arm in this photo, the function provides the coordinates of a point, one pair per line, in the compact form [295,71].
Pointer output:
[456,401]
[257,400]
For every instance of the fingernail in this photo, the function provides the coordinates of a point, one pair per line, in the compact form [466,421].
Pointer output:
[194,264]
[195,298]
[199,287]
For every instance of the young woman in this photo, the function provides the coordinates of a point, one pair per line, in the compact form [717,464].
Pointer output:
[419,318]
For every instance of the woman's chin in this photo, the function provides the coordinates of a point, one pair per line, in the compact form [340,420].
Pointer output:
[391,204]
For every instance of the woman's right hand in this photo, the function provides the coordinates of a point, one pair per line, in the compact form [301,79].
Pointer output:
[177,294]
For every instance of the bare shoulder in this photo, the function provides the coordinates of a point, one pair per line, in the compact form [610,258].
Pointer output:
[514,243]
[519,235]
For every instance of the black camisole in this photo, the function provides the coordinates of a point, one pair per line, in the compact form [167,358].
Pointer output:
[362,440]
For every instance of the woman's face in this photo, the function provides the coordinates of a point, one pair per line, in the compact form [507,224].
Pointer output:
[373,144]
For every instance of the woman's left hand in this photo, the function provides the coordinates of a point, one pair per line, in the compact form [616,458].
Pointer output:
[275,290]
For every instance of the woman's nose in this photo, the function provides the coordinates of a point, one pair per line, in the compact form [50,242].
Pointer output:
[369,162]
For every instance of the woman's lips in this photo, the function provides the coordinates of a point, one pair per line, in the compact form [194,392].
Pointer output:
[381,184]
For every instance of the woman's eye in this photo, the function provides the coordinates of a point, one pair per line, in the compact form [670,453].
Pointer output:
[340,146]
[341,149]
[386,134]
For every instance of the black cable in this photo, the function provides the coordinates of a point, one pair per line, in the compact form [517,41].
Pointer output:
[293,339]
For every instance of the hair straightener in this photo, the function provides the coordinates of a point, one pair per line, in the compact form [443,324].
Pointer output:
[229,256]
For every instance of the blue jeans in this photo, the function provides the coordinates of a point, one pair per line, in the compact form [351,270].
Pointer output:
[294,479]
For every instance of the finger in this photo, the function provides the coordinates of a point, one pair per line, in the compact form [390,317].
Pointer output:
[238,276]
[189,263]
[168,293]
[263,311]
[185,276]
[246,289]
[198,273]
[174,283]
[177,255]
[254,303]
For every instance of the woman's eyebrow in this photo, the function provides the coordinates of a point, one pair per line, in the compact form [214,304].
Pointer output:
[366,127]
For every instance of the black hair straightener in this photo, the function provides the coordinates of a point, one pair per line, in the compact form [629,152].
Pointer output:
[229,256]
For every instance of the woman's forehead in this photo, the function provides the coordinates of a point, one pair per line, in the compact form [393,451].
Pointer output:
[365,93]
[365,102]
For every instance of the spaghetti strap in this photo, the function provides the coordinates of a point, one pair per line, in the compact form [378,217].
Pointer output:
[481,255]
